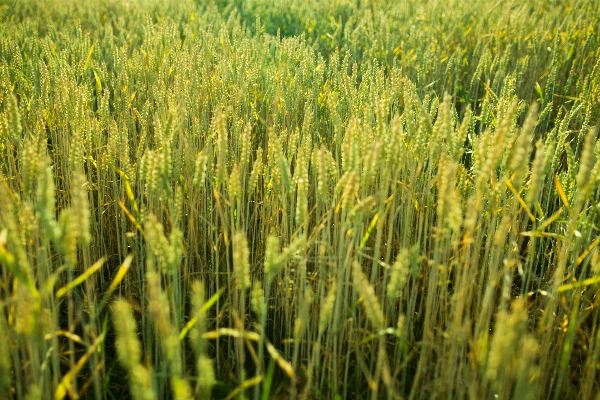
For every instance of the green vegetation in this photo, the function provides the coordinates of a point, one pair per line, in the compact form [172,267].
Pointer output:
[299,199]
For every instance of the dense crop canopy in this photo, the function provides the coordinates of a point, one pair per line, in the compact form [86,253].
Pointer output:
[299,199]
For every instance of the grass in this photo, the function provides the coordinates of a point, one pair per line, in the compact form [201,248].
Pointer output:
[349,199]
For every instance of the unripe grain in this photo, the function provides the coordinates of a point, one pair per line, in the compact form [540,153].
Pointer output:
[369,298]
[241,264]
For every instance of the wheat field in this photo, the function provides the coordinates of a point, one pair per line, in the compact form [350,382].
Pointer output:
[350,199]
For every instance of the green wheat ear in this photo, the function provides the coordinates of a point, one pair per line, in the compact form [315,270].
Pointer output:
[241,262]
[14,120]
[6,372]
[129,351]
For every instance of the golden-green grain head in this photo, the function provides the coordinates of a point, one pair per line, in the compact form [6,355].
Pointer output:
[234,183]
[399,275]
[285,176]
[401,327]
[423,133]
[586,165]
[363,208]
[168,251]
[166,163]
[128,346]
[77,134]
[200,170]
[351,189]
[14,119]
[167,334]
[181,389]
[204,366]
[4,130]
[25,317]
[449,209]
[141,384]
[6,371]
[519,155]
[257,169]
[198,343]
[258,300]
[301,322]
[460,135]
[537,174]
[302,201]
[527,371]
[271,257]
[509,329]
[30,162]
[246,145]
[446,175]
[327,307]
[129,351]
[480,150]
[320,166]
[176,217]
[241,262]
[222,144]
[206,380]
[80,207]
[44,82]
[498,144]
[371,164]
[393,145]
[350,153]
[443,127]
[369,299]
[69,233]
[153,176]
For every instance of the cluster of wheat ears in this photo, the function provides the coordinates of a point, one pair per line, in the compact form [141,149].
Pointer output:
[282,199]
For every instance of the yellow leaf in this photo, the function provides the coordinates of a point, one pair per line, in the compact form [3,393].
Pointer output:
[80,279]
[121,273]
[248,383]
[586,282]
[523,204]
[89,56]
[283,364]
[562,194]
[65,384]
[203,309]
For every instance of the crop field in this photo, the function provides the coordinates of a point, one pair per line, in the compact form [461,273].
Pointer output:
[285,199]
